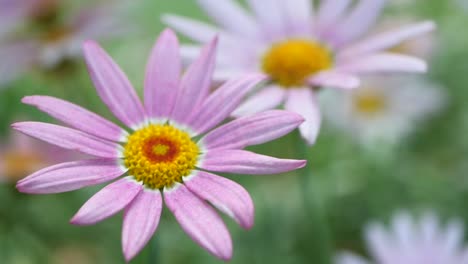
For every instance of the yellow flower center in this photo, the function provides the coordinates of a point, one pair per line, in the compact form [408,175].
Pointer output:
[369,102]
[160,155]
[291,62]
[19,164]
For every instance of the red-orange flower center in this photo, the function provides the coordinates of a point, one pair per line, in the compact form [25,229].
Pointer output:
[160,149]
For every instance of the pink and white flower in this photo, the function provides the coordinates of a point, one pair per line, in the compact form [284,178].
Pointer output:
[159,152]
[22,155]
[54,42]
[299,48]
[413,241]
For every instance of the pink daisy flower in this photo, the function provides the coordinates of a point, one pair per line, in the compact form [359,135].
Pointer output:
[23,155]
[413,241]
[298,49]
[48,41]
[160,152]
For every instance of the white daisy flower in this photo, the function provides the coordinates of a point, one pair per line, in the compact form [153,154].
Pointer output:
[299,48]
[412,241]
[384,109]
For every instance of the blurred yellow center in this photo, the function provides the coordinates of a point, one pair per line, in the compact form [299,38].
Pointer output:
[57,34]
[19,164]
[160,155]
[291,62]
[369,102]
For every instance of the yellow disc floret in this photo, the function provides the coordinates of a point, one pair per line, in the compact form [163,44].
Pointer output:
[291,62]
[160,155]
[369,102]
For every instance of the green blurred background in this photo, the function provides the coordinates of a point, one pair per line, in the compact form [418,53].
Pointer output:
[298,218]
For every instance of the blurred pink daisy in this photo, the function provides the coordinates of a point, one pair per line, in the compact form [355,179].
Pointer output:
[160,154]
[412,241]
[23,155]
[47,41]
[298,49]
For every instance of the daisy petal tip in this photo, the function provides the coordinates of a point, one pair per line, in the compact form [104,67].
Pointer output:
[129,255]
[310,141]
[420,67]
[16,126]
[78,221]
[225,255]
[28,100]
[168,36]
[89,44]
[431,25]
[301,164]
[168,32]
[297,117]
[424,67]
[24,187]
[74,221]
[248,224]
[167,18]
[20,187]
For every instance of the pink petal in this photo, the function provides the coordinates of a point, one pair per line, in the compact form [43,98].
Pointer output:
[70,176]
[304,102]
[68,138]
[162,76]
[329,13]
[387,40]
[107,202]
[267,98]
[231,16]
[246,162]
[335,79]
[76,117]
[141,219]
[193,29]
[252,130]
[383,62]
[359,21]
[113,86]
[195,83]
[226,195]
[222,102]
[200,221]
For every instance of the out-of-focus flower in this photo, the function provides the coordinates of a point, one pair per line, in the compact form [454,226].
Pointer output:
[413,241]
[161,153]
[48,40]
[73,254]
[24,155]
[384,109]
[299,49]
[421,47]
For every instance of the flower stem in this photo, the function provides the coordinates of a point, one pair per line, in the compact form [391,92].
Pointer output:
[314,213]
